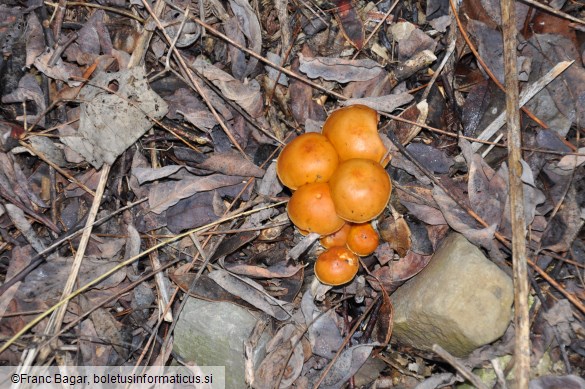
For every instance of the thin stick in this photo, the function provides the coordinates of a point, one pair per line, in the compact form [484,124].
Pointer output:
[45,159]
[375,30]
[450,50]
[123,264]
[266,61]
[553,11]
[484,65]
[516,196]
[460,367]
[194,82]
[525,97]
[57,318]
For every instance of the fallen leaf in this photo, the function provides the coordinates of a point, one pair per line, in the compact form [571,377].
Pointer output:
[395,273]
[163,195]
[348,363]
[338,69]
[350,23]
[112,122]
[28,90]
[323,331]
[245,94]
[35,40]
[279,270]
[250,26]
[386,103]
[397,234]
[252,293]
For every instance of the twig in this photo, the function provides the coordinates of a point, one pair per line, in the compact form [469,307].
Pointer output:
[302,246]
[501,238]
[375,30]
[57,18]
[462,369]
[39,257]
[162,282]
[177,36]
[194,83]
[45,159]
[61,48]
[64,300]
[266,61]
[450,50]
[99,6]
[554,11]
[345,342]
[57,317]
[516,196]
[525,97]
[484,65]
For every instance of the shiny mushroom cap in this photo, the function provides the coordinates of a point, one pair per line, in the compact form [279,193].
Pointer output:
[338,238]
[336,266]
[360,189]
[311,209]
[353,131]
[306,159]
[362,239]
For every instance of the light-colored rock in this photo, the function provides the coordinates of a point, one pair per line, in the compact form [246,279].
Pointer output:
[213,334]
[460,301]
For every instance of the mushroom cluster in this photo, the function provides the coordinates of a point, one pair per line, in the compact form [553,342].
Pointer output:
[339,186]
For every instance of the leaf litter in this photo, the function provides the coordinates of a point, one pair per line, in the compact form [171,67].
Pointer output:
[166,146]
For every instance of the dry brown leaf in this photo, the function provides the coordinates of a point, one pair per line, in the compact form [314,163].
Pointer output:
[350,23]
[253,293]
[246,94]
[250,26]
[28,90]
[163,195]
[112,122]
[395,273]
[348,363]
[279,270]
[277,361]
[323,328]
[62,71]
[397,234]
[386,103]
[338,69]
[35,40]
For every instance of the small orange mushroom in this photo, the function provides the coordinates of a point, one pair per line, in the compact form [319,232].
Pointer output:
[336,266]
[311,208]
[338,238]
[353,131]
[306,159]
[362,239]
[360,189]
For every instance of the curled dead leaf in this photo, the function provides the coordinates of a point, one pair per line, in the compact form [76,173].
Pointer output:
[397,234]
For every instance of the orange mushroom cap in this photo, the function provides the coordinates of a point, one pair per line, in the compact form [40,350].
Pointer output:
[360,189]
[311,208]
[338,238]
[336,266]
[353,131]
[306,159]
[362,239]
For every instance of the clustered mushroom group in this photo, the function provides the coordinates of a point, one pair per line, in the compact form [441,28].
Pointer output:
[339,186]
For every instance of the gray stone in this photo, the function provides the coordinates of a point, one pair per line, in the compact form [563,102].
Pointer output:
[213,334]
[460,301]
